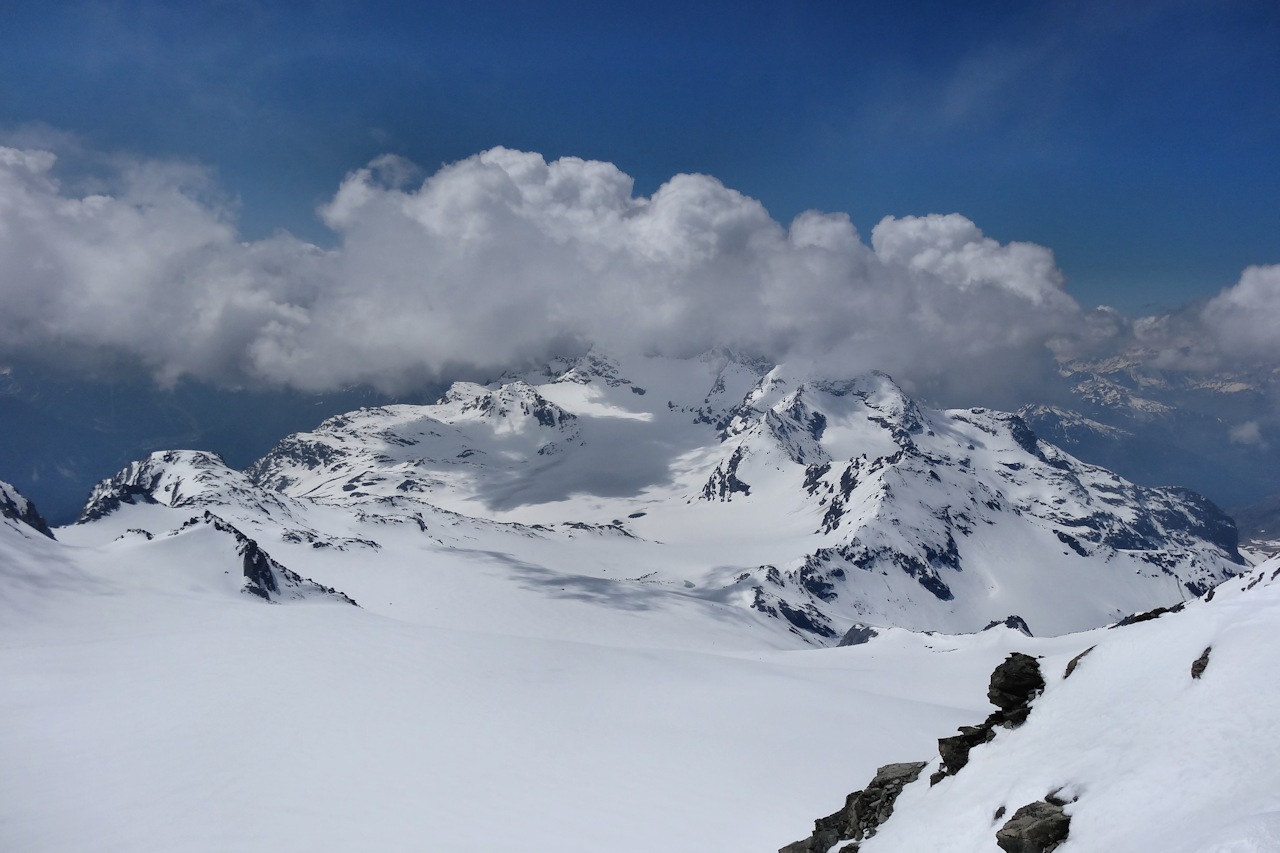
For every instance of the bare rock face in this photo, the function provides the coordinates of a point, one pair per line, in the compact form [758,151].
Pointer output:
[16,507]
[954,750]
[1014,683]
[857,635]
[1201,663]
[263,576]
[1075,662]
[863,812]
[1037,827]
[1015,622]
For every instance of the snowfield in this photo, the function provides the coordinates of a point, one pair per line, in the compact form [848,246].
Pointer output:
[593,608]
[154,707]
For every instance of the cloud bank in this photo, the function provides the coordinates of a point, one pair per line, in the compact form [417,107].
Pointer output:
[504,259]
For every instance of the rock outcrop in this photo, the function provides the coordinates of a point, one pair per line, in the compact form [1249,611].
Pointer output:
[857,635]
[1014,683]
[15,506]
[863,812]
[1200,664]
[1038,827]
[1013,686]
[263,576]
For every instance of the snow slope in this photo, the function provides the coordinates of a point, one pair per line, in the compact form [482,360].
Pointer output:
[150,704]
[1151,755]
[762,498]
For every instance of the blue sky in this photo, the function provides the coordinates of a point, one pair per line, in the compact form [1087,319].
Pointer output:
[1139,143]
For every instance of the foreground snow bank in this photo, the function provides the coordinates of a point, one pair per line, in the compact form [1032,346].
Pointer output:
[1164,737]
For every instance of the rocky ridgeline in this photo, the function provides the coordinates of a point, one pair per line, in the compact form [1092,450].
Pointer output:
[16,507]
[863,812]
[917,492]
[1037,827]
[181,479]
[1013,685]
[889,513]
[263,576]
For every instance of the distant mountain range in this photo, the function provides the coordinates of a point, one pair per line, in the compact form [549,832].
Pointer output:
[1154,427]
[801,503]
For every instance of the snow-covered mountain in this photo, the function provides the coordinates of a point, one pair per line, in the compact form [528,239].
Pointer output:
[762,495]
[15,509]
[1259,524]
[1155,424]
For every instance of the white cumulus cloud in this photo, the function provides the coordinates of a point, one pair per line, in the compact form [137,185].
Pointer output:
[504,258]
[1245,319]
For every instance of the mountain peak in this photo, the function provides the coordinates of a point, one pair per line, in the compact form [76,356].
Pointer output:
[15,507]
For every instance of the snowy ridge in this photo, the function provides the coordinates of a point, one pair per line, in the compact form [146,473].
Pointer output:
[415,449]
[934,496]
[181,479]
[1173,709]
[803,503]
[263,576]
[15,508]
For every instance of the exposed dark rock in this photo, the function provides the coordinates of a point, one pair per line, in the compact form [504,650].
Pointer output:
[857,635]
[17,507]
[1148,615]
[1075,661]
[1060,797]
[1015,682]
[863,812]
[954,750]
[724,482]
[1200,663]
[1072,543]
[112,499]
[815,582]
[263,576]
[1037,827]
[1024,436]
[1202,518]
[806,618]
[923,567]
[1015,622]
[813,475]
[259,579]
[802,618]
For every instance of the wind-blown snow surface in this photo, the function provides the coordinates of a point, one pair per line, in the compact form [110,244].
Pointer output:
[149,705]
[1152,756]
